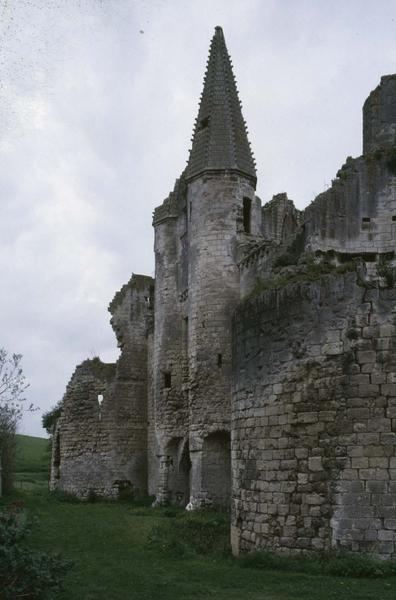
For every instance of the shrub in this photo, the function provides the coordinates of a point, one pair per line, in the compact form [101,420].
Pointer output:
[50,418]
[25,573]
[7,454]
[385,270]
[200,532]
[285,260]
[343,564]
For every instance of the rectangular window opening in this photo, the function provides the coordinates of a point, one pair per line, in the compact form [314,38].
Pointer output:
[366,220]
[219,360]
[393,217]
[247,208]
[151,297]
[167,379]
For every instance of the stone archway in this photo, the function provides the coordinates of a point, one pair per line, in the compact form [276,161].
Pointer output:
[216,468]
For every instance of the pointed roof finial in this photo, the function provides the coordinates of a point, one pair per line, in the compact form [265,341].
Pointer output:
[220,139]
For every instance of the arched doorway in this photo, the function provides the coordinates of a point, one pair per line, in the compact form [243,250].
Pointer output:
[216,468]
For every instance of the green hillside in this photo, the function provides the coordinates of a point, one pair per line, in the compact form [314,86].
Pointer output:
[32,463]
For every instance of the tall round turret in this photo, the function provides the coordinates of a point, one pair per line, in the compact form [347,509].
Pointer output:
[221,180]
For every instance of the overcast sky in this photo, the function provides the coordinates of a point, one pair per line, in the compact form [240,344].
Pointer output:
[98,100]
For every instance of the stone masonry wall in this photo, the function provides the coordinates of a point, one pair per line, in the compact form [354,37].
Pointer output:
[358,213]
[379,116]
[280,220]
[281,224]
[152,445]
[100,443]
[170,374]
[314,421]
[132,313]
[82,449]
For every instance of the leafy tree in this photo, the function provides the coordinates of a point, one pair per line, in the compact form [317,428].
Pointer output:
[12,404]
[51,417]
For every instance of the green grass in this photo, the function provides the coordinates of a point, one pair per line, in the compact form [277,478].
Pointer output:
[115,560]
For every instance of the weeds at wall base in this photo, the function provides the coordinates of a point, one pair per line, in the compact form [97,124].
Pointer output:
[342,564]
[201,532]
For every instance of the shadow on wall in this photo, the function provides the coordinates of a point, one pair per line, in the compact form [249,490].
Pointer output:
[178,453]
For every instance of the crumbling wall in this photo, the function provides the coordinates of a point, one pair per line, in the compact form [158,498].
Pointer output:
[314,429]
[379,116]
[280,220]
[358,213]
[132,310]
[82,448]
[100,443]
[282,229]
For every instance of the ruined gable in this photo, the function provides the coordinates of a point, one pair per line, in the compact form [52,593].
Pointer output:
[100,442]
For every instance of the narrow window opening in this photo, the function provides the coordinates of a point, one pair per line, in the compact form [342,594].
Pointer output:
[247,208]
[393,217]
[219,360]
[100,400]
[167,379]
[185,331]
[190,209]
[366,220]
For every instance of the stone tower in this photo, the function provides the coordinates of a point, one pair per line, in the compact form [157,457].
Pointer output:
[197,233]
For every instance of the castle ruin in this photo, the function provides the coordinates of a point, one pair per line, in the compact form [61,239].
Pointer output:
[258,369]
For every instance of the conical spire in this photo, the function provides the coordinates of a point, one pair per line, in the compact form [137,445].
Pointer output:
[220,139]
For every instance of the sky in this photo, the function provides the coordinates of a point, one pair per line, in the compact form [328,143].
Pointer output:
[97,104]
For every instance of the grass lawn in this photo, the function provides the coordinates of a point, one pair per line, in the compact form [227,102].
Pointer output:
[113,560]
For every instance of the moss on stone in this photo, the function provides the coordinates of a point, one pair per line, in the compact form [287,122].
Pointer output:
[310,272]
[100,370]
